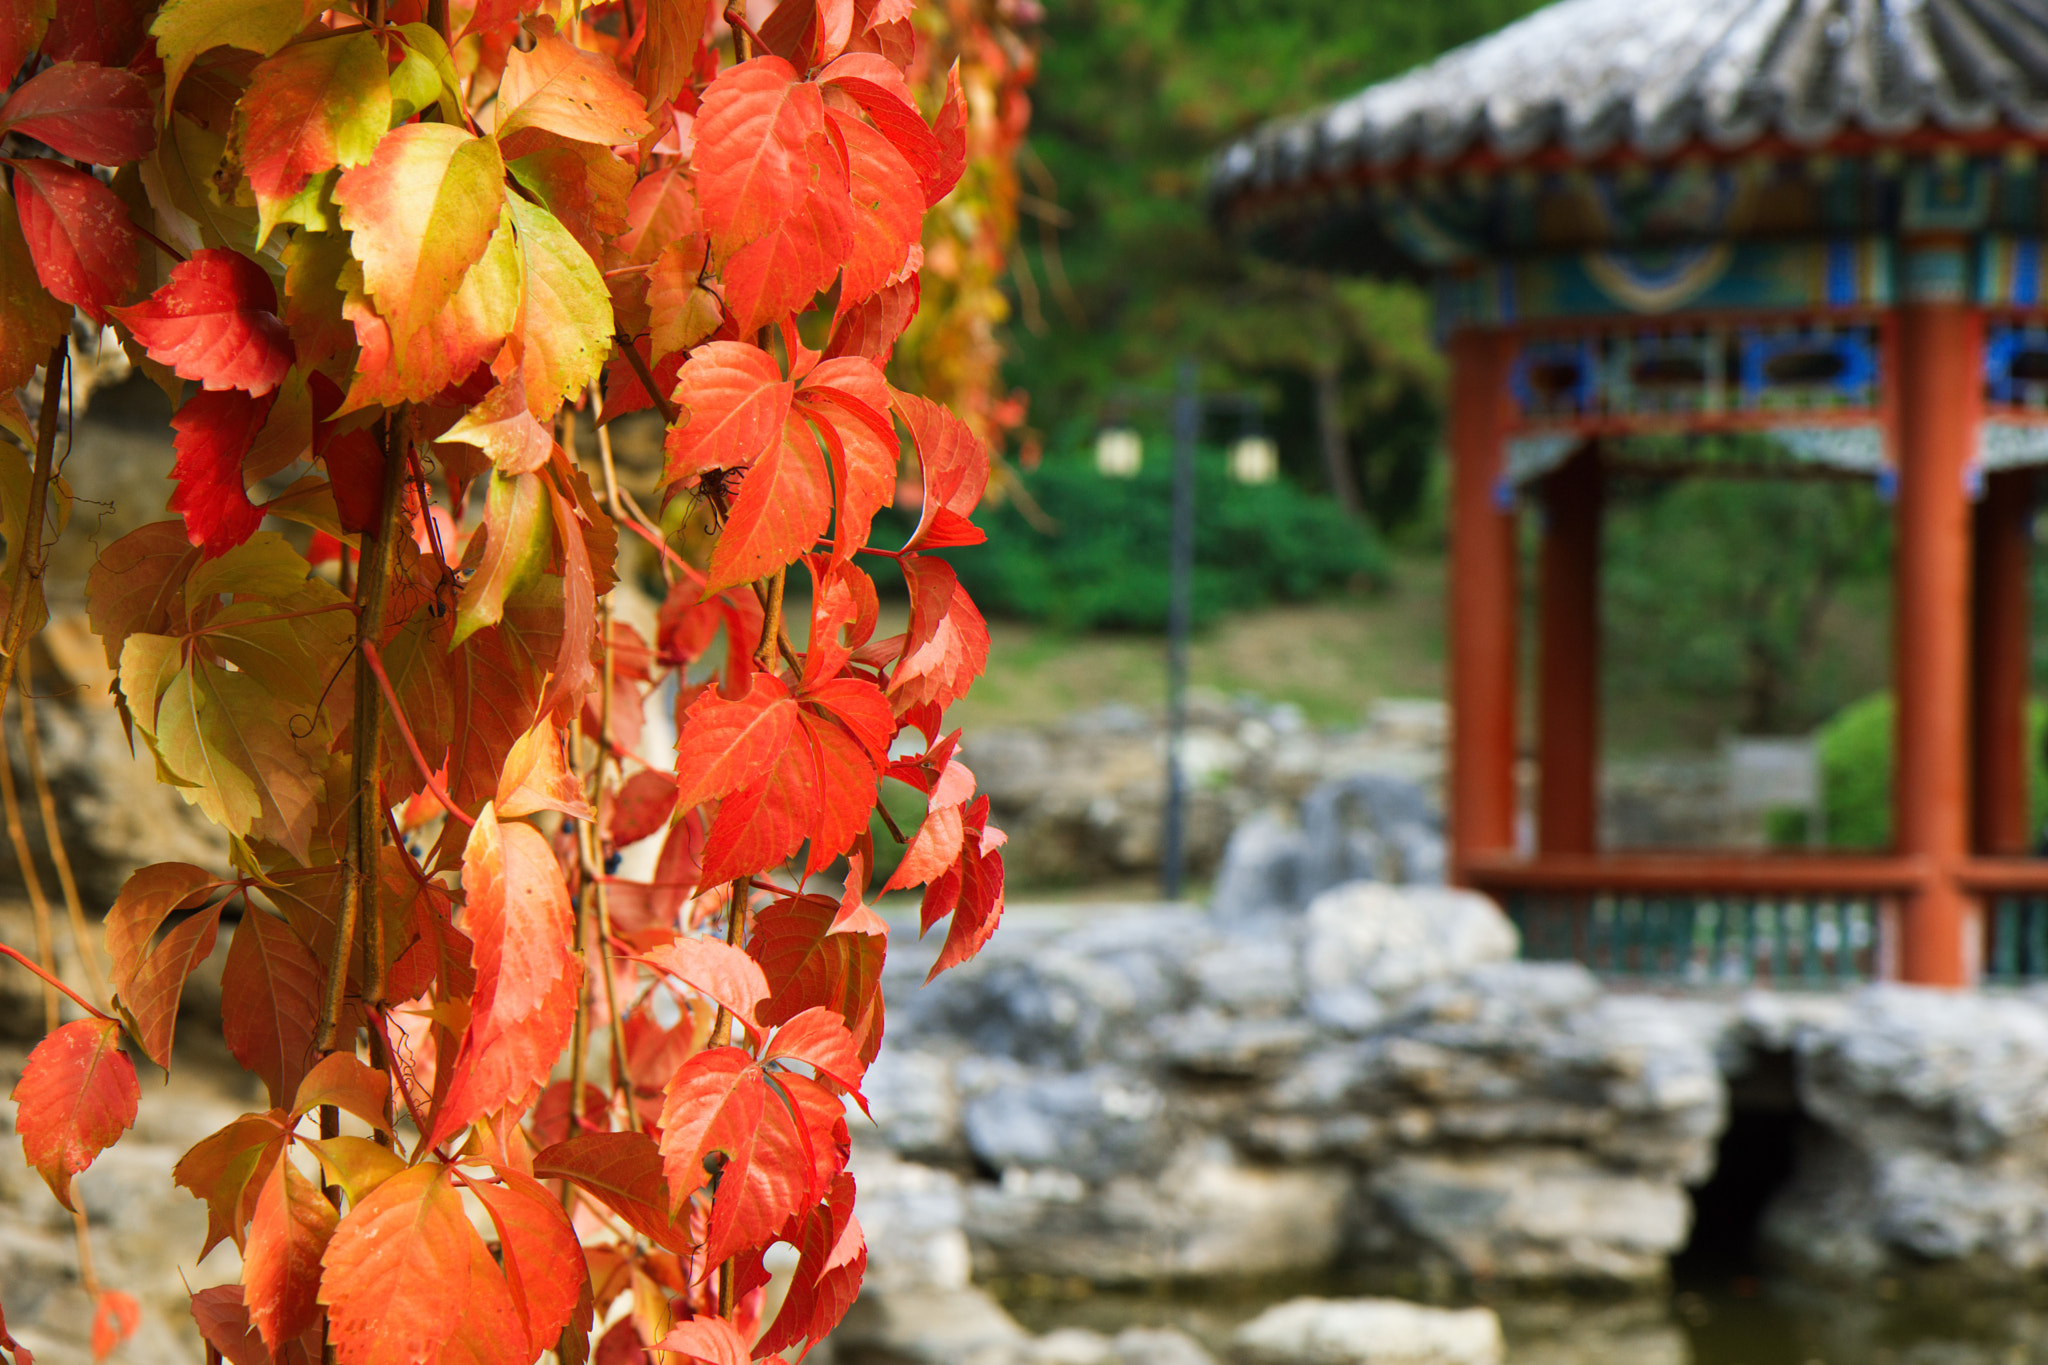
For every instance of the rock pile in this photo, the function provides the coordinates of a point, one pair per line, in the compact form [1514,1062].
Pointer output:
[1163,1093]
[1081,799]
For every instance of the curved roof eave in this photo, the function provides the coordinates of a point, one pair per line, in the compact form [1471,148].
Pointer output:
[1593,77]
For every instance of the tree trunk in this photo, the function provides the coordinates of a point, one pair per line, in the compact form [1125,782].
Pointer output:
[1335,449]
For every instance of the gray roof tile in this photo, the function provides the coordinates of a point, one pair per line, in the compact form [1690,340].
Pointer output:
[1594,75]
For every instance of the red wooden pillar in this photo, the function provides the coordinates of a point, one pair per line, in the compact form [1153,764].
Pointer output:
[2001,628]
[1483,647]
[1940,395]
[1568,677]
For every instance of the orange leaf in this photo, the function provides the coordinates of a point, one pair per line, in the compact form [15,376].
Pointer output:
[405,1277]
[517,914]
[537,777]
[281,1259]
[719,970]
[624,1171]
[734,404]
[784,506]
[77,1094]
[115,1316]
[759,148]
[422,209]
[543,1265]
[561,88]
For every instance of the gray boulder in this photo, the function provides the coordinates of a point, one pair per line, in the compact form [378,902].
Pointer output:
[1310,1331]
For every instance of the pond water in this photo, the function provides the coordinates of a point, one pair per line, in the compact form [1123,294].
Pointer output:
[1738,1320]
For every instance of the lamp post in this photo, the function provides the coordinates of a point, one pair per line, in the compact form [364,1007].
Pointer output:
[1187,404]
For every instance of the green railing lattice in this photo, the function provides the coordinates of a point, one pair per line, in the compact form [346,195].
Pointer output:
[1712,938]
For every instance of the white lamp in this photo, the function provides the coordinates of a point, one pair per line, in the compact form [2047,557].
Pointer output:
[1119,453]
[1254,459]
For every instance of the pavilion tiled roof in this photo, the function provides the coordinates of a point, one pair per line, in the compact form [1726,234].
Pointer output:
[1594,76]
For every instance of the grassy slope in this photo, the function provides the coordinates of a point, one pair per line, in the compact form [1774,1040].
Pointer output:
[1330,658]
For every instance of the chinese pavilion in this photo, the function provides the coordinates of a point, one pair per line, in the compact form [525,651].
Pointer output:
[1818,219]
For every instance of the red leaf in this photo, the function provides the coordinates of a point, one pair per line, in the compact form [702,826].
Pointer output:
[832,1258]
[561,88]
[642,805]
[77,1094]
[955,465]
[950,131]
[971,891]
[946,647]
[215,321]
[406,1278]
[623,1170]
[880,90]
[721,1114]
[820,1038]
[216,428]
[888,208]
[713,1341]
[543,1264]
[784,269]
[223,1321]
[808,963]
[107,31]
[281,1259]
[517,914]
[151,994]
[719,970]
[870,327]
[78,233]
[115,1316]
[726,745]
[759,146]
[735,404]
[89,113]
[21,28]
[345,1082]
[784,506]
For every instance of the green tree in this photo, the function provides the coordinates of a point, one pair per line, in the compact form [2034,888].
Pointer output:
[1131,101]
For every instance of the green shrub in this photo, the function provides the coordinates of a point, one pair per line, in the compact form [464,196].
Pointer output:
[1856,771]
[1104,562]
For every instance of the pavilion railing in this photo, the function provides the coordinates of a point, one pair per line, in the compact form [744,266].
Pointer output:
[1795,922]
[1791,922]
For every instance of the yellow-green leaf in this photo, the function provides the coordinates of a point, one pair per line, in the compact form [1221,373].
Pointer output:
[186,28]
[422,211]
[518,530]
[565,325]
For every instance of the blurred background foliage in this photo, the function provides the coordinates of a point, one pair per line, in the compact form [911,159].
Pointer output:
[1119,272]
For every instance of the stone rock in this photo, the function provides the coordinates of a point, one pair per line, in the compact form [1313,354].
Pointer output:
[1931,1155]
[1310,1331]
[1132,1346]
[1376,939]
[911,1215]
[1262,866]
[1097,1123]
[927,1327]
[914,1104]
[1531,1216]
[1205,1213]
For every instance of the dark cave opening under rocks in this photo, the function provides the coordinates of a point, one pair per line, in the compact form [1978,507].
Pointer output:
[1752,1161]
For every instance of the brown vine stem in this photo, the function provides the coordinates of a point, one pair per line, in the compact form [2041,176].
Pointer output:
[46,937]
[771,621]
[53,838]
[662,403]
[28,565]
[365,829]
